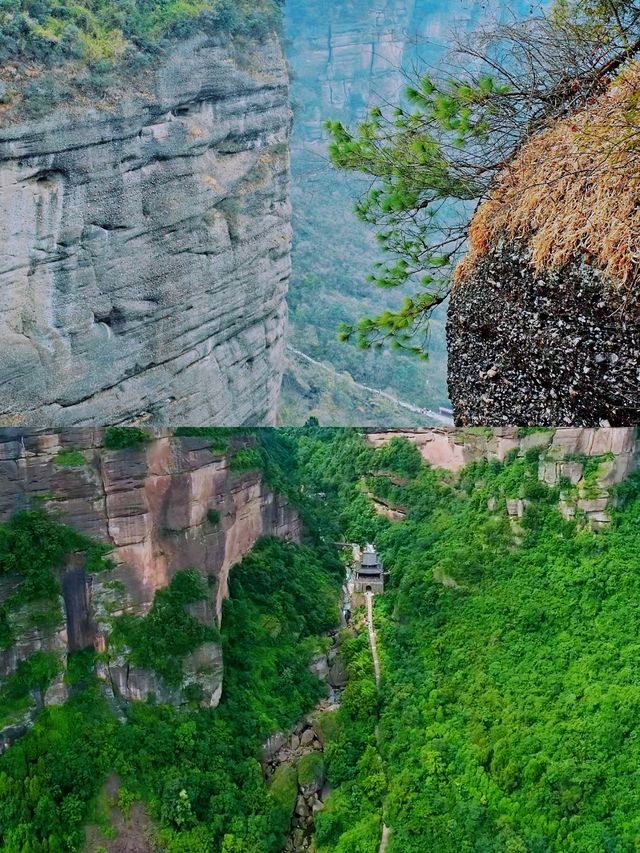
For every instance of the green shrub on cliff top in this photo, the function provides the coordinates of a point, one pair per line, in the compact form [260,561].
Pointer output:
[70,458]
[33,545]
[102,33]
[125,438]
[32,675]
[168,633]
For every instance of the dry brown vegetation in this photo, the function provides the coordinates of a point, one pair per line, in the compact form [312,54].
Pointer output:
[574,190]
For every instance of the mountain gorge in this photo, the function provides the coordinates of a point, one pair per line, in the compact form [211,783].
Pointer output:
[344,58]
[161,183]
[172,640]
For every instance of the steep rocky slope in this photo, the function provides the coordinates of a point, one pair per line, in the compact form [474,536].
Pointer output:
[544,321]
[174,504]
[591,461]
[144,247]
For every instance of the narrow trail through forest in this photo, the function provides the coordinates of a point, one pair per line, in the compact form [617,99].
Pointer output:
[373,642]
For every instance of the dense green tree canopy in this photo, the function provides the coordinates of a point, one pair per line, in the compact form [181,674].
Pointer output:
[508,715]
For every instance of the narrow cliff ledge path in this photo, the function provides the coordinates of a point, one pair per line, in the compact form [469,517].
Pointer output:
[373,642]
[372,639]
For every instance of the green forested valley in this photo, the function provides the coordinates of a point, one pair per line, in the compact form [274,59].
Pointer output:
[508,713]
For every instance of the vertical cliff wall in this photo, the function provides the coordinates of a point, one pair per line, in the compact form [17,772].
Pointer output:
[174,504]
[544,319]
[144,248]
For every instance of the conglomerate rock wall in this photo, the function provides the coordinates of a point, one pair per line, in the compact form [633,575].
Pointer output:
[553,347]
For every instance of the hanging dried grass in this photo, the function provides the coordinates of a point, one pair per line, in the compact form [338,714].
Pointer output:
[573,191]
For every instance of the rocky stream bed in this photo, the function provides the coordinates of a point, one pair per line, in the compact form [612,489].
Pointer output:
[296,758]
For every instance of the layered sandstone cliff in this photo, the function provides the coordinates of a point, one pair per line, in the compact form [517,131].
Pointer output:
[154,507]
[563,460]
[144,247]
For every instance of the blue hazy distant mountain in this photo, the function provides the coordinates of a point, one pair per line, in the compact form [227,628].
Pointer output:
[345,56]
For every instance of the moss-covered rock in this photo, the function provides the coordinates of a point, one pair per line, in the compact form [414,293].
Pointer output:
[311,772]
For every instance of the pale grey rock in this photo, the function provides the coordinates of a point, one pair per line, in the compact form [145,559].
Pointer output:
[599,520]
[572,470]
[144,251]
[536,440]
[273,745]
[567,510]
[302,809]
[319,666]
[593,505]
[338,675]
[307,737]
[515,507]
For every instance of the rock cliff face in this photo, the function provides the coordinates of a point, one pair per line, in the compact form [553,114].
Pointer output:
[551,348]
[144,249]
[564,456]
[152,506]
[544,321]
[351,54]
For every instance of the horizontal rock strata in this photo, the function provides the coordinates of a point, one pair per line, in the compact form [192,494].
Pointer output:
[144,249]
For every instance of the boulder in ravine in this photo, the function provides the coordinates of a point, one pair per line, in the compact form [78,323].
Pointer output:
[338,675]
[311,773]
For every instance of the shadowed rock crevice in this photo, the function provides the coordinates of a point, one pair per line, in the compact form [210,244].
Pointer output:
[81,629]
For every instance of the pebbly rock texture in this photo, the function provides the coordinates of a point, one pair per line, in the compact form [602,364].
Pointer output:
[152,506]
[144,248]
[530,348]
[564,455]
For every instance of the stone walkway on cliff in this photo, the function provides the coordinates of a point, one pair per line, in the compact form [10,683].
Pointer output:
[373,642]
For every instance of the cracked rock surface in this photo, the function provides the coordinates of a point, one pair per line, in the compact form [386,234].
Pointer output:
[145,250]
[557,348]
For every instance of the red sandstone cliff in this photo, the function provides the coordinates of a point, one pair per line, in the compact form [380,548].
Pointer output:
[151,505]
[560,452]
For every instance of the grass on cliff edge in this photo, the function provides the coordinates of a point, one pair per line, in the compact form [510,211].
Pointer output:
[53,53]
[106,31]
[573,192]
